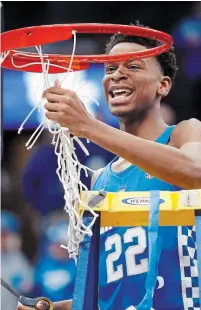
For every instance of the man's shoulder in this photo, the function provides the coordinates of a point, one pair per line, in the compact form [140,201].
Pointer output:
[191,121]
[96,175]
[184,131]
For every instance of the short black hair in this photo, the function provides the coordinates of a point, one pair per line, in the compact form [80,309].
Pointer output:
[166,60]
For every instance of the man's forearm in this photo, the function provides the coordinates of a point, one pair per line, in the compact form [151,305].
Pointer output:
[162,161]
[63,305]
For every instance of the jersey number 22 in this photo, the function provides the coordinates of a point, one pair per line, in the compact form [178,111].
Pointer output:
[116,273]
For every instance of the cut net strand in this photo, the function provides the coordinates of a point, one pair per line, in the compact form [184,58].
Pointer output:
[3,56]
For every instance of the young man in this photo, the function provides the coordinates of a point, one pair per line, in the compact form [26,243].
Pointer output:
[150,156]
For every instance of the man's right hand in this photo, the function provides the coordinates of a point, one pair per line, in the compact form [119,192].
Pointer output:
[43,305]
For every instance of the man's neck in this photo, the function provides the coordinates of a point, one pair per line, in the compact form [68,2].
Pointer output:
[150,128]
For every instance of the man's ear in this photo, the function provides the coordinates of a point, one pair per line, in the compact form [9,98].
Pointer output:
[165,86]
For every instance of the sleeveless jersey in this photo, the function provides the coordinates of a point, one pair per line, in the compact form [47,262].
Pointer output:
[124,252]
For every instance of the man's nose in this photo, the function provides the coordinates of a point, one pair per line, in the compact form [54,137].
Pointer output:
[118,75]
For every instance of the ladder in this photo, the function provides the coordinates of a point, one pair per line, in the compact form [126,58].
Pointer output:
[85,295]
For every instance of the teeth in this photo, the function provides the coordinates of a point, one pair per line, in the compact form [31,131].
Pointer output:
[117,91]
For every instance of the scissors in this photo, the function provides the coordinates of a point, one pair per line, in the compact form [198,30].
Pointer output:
[32,302]
[25,301]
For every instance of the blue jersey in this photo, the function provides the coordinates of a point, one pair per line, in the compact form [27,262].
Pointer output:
[124,252]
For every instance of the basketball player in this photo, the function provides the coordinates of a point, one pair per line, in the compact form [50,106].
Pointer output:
[150,156]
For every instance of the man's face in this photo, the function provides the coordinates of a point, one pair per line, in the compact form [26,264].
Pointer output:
[131,87]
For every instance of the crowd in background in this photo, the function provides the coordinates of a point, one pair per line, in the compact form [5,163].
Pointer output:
[33,221]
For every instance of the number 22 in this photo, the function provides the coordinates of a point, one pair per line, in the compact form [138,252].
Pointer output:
[132,268]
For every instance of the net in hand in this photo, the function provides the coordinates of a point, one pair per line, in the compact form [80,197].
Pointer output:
[69,167]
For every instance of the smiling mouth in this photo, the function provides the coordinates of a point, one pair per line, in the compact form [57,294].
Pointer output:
[120,93]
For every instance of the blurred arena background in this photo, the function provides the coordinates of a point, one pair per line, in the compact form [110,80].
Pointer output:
[33,223]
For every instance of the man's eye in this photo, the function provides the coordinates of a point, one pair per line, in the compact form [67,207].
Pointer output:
[134,67]
[110,69]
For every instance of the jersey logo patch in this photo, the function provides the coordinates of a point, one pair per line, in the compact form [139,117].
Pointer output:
[148,176]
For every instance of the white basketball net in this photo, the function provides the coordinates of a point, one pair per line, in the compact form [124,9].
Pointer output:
[69,167]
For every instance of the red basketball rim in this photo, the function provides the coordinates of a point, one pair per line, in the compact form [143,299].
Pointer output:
[40,35]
